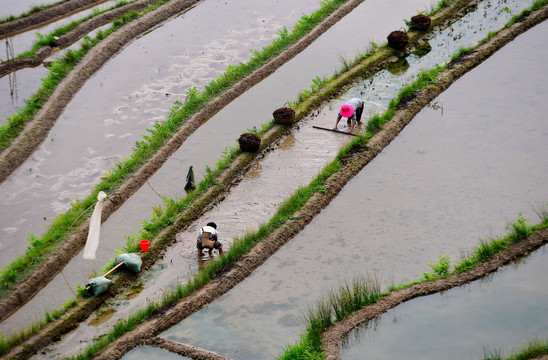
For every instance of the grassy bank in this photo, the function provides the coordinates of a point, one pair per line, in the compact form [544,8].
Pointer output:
[350,297]
[63,224]
[532,350]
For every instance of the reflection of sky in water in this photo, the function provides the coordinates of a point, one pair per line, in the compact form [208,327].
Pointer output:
[501,312]
[152,353]
[444,182]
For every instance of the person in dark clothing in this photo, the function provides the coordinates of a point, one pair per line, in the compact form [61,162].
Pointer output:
[208,239]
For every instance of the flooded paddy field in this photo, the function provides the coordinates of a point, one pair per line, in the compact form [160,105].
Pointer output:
[115,107]
[440,186]
[330,116]
[501,311]
[205,145]
[19,85]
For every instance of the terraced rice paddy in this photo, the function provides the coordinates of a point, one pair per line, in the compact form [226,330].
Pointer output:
[455,174]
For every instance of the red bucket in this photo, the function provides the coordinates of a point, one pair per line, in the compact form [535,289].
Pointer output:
[144,245]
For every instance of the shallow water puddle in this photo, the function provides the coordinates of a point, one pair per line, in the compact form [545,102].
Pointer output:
[501,311]
[205,145]
[444,182]
[124,98]
[103,317]
[152,353]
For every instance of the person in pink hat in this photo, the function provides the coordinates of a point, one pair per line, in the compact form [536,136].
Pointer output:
[352,110]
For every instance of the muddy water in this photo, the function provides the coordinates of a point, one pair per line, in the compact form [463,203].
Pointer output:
[152,353]
[18,7]
[445,182]
[124,98]
[502,311]
[252,108]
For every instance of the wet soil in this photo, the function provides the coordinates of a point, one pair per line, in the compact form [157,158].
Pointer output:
[355,162]
[335,334]
[47,116]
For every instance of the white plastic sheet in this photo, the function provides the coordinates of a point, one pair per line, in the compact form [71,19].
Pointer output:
[94,228]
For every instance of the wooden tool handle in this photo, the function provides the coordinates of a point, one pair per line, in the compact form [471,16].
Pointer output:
[114,268]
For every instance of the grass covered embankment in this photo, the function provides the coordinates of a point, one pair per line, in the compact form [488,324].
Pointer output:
[331,318]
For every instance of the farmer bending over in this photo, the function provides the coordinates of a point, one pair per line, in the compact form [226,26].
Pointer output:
[352,110]
[208,239]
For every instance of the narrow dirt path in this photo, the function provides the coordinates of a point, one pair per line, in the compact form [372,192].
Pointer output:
[170,315]
[332,338]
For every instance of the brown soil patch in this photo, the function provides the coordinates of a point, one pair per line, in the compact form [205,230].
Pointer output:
[335,334]
[355,162]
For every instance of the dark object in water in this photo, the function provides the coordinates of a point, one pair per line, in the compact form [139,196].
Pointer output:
[249,142]
[420,22]
[397,39]
[284,116]
[190,183]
